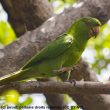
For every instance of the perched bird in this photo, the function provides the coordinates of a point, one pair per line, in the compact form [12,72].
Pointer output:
[59,56]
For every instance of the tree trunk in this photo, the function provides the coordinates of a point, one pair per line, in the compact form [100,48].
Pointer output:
[27,14]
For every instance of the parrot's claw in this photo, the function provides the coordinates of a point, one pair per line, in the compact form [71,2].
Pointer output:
[64,69]
[73,81]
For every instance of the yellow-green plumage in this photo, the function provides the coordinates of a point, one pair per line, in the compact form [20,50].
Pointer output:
[65,51]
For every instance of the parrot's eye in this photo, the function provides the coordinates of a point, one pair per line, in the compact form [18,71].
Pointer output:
[94,31]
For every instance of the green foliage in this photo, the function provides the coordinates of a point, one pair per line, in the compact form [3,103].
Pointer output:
[7,35]
[26,102]
[12,97]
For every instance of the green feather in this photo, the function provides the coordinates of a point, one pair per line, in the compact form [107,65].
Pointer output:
[65,51]
[51,51]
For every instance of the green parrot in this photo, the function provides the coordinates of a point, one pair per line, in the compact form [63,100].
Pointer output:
[58,57]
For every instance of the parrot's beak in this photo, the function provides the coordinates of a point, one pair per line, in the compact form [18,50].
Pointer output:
[95,31]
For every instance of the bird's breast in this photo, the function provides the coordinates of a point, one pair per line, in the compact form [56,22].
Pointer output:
[72,55]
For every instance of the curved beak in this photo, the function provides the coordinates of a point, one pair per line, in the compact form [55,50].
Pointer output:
[95,31]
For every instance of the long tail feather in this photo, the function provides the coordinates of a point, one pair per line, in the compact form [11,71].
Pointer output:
[16,76]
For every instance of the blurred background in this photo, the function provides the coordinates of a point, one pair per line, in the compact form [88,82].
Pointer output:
[97,54]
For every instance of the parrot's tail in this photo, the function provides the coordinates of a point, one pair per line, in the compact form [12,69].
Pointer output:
[16,76]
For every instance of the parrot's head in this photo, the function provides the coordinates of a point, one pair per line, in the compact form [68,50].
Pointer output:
[93,26]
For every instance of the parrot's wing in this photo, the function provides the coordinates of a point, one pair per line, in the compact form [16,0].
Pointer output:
[52,50]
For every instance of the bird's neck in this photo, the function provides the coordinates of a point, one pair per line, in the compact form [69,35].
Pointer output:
[80,32]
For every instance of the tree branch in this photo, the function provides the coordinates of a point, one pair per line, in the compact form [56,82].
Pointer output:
[77,87]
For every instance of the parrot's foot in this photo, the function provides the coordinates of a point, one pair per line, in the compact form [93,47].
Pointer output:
[64,69]
[73,81]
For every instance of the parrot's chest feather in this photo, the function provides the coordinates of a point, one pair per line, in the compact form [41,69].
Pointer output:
[73,54]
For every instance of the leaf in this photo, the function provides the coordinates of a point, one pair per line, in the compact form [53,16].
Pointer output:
[7,35]
[11,96]
[26,102]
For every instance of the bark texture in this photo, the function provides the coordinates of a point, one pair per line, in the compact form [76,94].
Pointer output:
[27,14]
[78,88]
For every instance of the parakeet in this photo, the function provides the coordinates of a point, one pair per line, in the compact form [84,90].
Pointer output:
[59,56]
